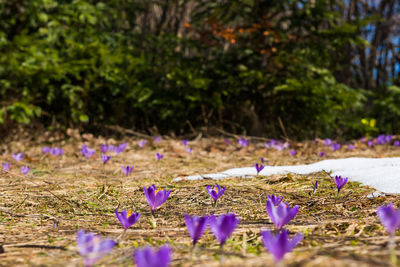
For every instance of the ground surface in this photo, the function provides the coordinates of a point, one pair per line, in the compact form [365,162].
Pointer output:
[40,213]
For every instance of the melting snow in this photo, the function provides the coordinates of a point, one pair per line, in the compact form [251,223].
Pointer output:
[383,174]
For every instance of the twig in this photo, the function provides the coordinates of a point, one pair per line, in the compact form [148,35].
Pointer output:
[238,136]
[54,219]
[283,129]
[127,131]
[35,246]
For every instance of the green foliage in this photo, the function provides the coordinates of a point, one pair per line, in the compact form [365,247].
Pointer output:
[242,65]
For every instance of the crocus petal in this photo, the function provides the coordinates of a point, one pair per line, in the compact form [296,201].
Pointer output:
[150,196]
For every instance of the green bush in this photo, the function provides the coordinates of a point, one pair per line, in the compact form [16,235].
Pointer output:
[90,63]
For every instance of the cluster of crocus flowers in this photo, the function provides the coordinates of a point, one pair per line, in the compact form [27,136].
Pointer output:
[18,156]
[87,152]
[92,248]
[277,144]
[155,197]
[280,213]
[111,148]
[215,192]
[336,146]
[147,257]
[126,169]
[55,151]
[120,148]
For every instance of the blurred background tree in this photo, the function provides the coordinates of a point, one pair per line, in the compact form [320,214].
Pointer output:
[262,67]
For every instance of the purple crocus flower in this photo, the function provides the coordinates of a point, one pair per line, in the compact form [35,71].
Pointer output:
[340,182]
[262,160]
[293,152]
[105,158]
[127,218]
[315,186]
[127,169]
[155,197]
[389,217]
[336,146]
[223,226]
[328,142]
[157,139]
[380,140]
[147,257]
[159,156]
[281,214]
[45,149]
[321,154]
[121,147]
[259,167]
[396,143]
[6,167]
[227,141]
[25,170]
[56,151]
[18,156]
[351,147]
[276,200]
[87,152]
[184,142]
[279,147]
[196,226]
[215,192]
[104,148]
[111,148]
[279,244]
[370,143]
[92,248]
[142,143]
[243,142]
[189,150]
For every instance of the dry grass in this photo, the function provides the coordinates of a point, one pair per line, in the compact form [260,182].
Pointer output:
[41,212]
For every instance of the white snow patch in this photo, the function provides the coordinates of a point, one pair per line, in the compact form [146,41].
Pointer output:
[383,174]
